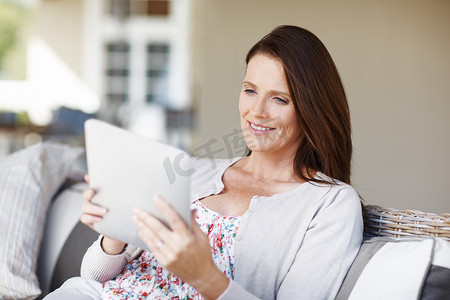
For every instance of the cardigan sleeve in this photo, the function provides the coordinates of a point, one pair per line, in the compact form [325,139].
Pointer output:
[235,291]
[100,266]
[329,247]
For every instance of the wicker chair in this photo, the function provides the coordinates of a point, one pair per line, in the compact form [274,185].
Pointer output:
[387,222]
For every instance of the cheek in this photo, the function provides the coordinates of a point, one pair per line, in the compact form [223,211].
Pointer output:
[242,107]
[293,124]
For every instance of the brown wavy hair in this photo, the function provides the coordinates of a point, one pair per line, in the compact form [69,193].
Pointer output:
[319,98]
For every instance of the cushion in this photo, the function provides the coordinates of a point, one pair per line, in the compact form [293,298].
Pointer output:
[28,180]
[69,260]
[65,239]
[388,268]
[62,217]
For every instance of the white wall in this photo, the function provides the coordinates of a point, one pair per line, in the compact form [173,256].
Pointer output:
[60,25]
[394,60]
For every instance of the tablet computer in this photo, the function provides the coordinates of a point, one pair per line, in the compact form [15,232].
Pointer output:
[127,170]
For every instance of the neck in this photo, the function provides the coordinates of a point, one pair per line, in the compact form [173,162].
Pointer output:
[270,167]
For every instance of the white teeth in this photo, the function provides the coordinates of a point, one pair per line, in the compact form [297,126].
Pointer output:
[259,128]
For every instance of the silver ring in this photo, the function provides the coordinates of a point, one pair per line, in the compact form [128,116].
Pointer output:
[159,244]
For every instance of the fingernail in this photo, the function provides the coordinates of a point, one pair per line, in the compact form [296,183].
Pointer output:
[102,210]
[89,193]
[157,198]
[136,221]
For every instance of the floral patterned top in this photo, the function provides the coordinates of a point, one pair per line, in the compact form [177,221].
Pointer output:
[144,278]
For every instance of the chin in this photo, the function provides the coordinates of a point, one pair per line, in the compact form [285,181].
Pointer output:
[256,147]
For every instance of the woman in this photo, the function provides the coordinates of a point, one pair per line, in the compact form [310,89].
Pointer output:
[280,223]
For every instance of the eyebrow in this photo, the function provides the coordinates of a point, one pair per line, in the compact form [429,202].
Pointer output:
[272,91]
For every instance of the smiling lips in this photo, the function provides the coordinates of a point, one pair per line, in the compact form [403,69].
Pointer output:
[259,129]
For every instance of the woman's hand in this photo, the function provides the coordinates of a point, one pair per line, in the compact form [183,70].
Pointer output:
[93,213]
[182,250]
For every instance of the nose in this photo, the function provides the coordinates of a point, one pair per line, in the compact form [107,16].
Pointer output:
[259,109]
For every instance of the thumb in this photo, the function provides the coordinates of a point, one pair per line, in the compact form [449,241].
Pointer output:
[195,228]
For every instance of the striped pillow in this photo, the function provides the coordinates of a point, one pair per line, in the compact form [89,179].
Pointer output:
[28,180]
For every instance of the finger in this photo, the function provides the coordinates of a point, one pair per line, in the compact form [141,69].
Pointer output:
[194,225]
[87,178]
[144,220]
[176,223]
[89,220]
[94,209]
[88,194]
[194,216]
[149,236]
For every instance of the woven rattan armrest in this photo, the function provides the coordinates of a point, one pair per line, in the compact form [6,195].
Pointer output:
[379,221]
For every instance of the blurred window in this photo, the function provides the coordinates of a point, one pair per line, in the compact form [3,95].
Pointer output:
[117,72]
[158,73]
[126,8]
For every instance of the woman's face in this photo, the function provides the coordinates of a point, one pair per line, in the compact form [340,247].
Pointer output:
[268,118]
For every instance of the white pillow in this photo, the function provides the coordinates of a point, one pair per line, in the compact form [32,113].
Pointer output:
[28,180]
[405,268]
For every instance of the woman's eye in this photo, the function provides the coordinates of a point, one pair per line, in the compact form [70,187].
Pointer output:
[249,91]
[281,101]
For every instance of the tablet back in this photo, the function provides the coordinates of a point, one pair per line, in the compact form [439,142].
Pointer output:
[127,170]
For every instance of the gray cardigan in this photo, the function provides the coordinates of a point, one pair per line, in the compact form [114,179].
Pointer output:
[295,245]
